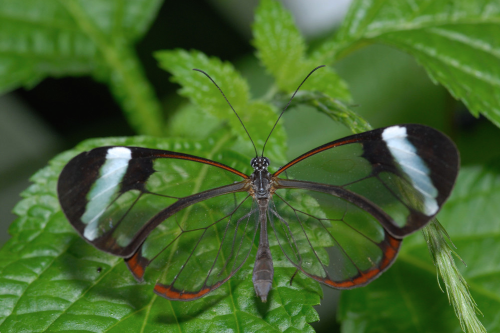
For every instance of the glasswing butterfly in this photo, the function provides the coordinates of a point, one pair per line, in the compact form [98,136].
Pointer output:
[338,212]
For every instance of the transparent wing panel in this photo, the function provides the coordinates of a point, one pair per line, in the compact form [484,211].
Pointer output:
[200,247]
[330,239]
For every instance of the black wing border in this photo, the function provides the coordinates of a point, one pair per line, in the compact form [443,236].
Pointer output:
[435,146]
[86,166]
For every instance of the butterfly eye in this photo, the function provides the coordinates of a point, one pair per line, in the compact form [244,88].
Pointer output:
[260,163]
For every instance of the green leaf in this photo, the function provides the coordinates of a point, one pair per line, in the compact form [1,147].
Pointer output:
[279,44]
[326,81]
[56,38]
[258,117]
[456,41]
[189,121]
[52,280]
[407,298]
[200,90]
[335,109]
[281,48]
[263,119]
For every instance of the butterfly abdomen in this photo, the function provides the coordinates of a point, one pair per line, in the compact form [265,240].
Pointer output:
[263,270]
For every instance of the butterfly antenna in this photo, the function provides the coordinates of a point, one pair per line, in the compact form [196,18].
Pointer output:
[276,123]
[199,70]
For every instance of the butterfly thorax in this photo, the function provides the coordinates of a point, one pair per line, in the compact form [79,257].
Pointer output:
[261,178]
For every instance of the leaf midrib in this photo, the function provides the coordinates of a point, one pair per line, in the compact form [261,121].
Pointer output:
[422,25]
[116,53]
[344,44]
[44,24]
[50,58]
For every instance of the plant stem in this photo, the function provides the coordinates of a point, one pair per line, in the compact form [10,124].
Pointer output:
[124,73]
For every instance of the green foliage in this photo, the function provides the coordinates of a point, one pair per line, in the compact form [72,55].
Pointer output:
[281,49]
[456,41]
[50,281]
[280,46]
[456,286]
[49,277]
[335,109]
[55,38]
[257,116]
[471,219]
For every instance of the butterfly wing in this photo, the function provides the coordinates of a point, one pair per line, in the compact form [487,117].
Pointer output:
[339,211]
[330,239]
[406,172]
[195,255]
[123,200]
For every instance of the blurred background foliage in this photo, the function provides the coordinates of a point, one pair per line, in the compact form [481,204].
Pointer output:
[387,86]
[79,96]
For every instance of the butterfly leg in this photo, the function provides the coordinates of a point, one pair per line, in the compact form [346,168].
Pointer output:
[296,271]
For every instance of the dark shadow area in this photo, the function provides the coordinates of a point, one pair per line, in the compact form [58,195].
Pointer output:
[78,108]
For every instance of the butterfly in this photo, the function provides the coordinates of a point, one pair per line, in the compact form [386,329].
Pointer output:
[338,212]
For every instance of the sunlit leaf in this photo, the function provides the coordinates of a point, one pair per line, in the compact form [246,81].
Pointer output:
[201,90]
[258,117]
[281,48]
[456,41]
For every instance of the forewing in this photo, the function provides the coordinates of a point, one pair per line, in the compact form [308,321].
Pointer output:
[406,171]
[115,196]
[331,239]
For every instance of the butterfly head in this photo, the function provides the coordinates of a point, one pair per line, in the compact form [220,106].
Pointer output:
[261,178]
[260,163]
